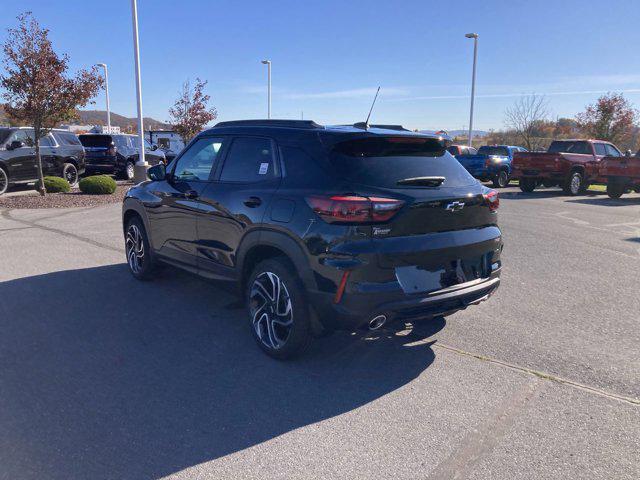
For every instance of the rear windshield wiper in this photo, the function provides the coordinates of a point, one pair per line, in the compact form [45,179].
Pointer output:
[422,181]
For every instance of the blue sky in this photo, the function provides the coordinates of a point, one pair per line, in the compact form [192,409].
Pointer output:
[329,56]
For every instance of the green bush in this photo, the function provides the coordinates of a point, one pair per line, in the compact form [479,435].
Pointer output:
[55,185]
[98,185]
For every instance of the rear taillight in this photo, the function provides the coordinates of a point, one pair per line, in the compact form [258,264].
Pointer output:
[354,208]
[492,200]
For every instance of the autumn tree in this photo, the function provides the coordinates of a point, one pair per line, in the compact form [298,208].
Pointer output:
[611,118]
[190,112]
[526,118]
[37,89]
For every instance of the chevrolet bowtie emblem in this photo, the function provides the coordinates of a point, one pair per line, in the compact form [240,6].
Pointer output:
[455,206]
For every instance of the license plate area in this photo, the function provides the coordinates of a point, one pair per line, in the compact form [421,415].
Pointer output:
[422,279]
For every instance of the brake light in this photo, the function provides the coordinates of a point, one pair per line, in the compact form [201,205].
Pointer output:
[492,200]
[354,208]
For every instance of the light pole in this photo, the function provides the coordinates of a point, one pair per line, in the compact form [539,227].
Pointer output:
[106,90]
[473,81]
[140,170]
[268,64]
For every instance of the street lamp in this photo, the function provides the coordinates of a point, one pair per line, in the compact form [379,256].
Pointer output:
[268,64]
[473,80]
[106,90]
[140,170]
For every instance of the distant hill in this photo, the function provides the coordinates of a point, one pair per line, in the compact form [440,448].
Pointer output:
[99,117]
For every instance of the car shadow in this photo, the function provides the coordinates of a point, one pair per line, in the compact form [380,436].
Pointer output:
[102,376]
[538,193]
[608,202]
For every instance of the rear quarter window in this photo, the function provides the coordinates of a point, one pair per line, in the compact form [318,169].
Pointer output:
[384,161]
[300,169]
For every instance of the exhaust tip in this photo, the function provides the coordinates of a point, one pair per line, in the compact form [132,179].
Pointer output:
[377,322]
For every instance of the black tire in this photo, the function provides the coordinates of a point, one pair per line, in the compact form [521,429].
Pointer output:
[4,181]
[615,191]
[501,180]
[280,323]
[573,184]
[527,185]
[70,174]
[142,264]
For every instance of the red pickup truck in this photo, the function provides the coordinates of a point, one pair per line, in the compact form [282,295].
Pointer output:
[622,174]
[571,164]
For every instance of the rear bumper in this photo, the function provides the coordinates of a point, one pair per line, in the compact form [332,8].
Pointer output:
[408,277]
[537,173]
[359,309]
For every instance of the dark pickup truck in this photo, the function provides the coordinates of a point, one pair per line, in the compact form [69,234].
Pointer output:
[570,164]
[622,174]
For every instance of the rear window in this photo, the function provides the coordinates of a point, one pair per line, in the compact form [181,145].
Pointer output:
[384,161]
[499,151]
[96,140]
[570,147]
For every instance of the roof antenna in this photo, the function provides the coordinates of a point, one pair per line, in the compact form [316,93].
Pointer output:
[366,123]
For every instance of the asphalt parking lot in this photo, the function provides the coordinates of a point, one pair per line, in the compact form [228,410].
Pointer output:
[102,376]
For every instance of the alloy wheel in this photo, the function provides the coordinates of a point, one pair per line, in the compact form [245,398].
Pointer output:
[503,179]
[576,181]
[71,174]
[130,171]
[271,310]
[135,249]
[4,181]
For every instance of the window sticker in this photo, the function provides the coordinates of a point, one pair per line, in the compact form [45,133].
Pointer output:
[264,167]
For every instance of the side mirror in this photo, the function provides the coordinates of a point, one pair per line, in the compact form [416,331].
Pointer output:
[15,144]
[154,147]
[628,153]
[157,173]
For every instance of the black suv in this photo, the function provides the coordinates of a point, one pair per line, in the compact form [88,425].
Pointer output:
[322,228]
[61,153]
[117,154]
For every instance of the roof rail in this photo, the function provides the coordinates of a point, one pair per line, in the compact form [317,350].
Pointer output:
[304,124]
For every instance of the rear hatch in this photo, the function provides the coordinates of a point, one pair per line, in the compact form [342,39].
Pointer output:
[533,163]
[445,223]
[473,163]
[98,147]
[439,195]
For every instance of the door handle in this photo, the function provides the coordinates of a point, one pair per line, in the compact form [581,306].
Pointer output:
[191,194]
[253,202]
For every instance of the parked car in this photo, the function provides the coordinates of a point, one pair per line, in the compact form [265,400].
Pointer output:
[456,150]
[321,228]
[61,153]
[492,162]
[116,154]
[622,173]
[571,164]
[169,154]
